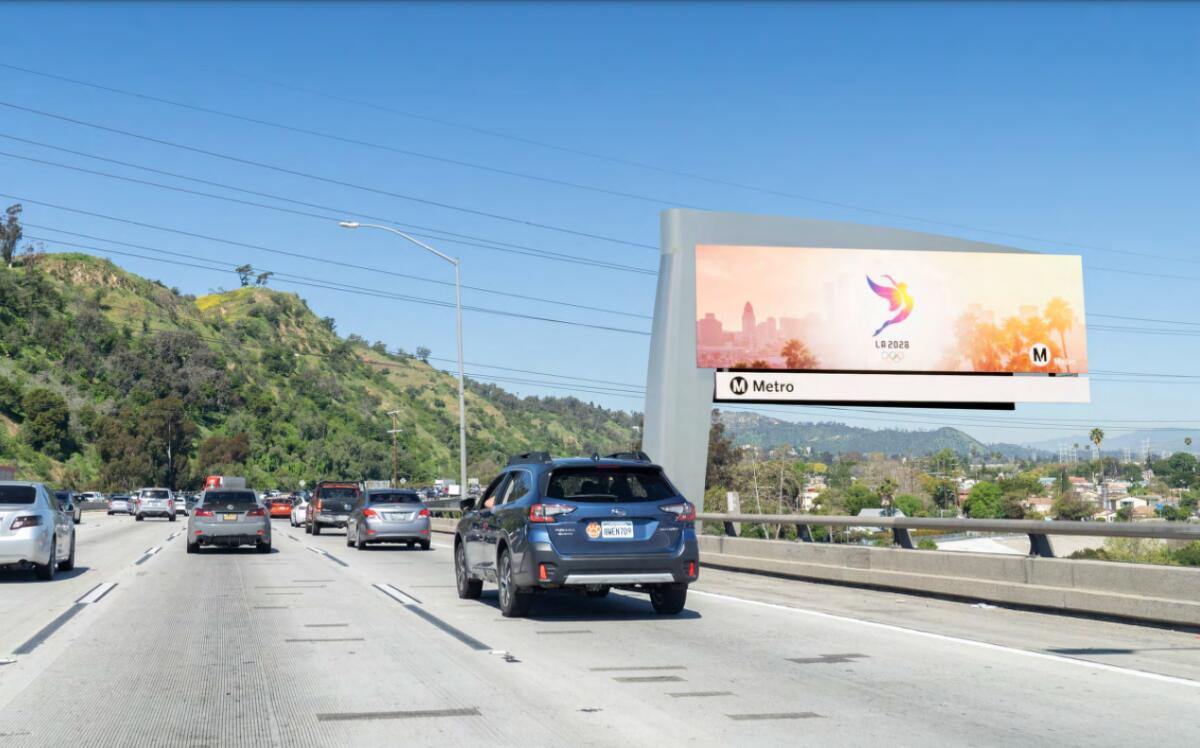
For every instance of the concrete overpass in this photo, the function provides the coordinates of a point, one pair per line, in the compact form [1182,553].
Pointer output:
[321,645]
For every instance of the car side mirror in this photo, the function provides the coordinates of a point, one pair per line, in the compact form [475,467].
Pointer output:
[466,504]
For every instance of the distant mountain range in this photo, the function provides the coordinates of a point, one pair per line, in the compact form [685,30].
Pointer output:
[838,438]
[1161,440]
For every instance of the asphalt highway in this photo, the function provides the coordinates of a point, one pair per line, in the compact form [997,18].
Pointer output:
[318,644]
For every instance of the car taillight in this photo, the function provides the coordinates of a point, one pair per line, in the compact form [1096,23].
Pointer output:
[317,505]
[202,513]
[547,512]
[684,511]
[28,520]
[423,513]
[370,513]
[256,513]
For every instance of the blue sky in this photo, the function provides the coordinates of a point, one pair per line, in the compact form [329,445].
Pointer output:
[1075,123]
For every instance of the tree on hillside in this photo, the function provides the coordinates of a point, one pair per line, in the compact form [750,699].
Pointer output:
[10,233]
[858,497]
[798,356]
[47,422]
[244,272]
[722,455]
[262,278]
[1070,506]
[887,494]
[423,353]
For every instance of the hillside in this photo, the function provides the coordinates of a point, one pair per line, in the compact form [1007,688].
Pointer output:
[838,438]
[109,379]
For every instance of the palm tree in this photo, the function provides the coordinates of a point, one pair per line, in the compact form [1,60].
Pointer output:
[798,356]
[1060,318]
[1097,436]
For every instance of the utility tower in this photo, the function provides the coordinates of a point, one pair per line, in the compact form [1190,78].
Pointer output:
[394,430]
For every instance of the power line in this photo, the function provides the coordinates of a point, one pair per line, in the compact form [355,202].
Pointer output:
[338,213]
[576,151]
[323,218]
[480,289]
[361,291]
[331,180]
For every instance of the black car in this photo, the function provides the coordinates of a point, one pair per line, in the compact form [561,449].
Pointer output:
[588,524]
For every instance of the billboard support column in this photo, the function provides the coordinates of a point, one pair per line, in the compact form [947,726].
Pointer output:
[678,395]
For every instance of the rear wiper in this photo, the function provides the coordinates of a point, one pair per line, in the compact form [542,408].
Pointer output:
[593,496]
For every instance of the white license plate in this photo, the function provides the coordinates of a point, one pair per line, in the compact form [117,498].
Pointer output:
[394,517]
[616,529]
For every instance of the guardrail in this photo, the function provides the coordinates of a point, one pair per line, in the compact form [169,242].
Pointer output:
[1038,531]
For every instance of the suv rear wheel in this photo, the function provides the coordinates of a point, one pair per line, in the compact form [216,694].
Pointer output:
[468,588]
[69,564]
[316,528]
[514,601]
[668,599]
[45,572]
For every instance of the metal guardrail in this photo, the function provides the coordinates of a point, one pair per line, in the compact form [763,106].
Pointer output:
[1038,531]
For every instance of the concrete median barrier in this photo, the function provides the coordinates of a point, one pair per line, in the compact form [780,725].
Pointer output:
[1161,594]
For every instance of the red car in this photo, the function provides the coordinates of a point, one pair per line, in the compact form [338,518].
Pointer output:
[279,507]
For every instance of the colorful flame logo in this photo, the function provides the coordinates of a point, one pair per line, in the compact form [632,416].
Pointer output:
[897,297]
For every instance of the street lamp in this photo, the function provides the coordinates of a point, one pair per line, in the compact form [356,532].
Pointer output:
[462,400]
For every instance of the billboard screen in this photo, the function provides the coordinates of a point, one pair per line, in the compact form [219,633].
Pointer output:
[889,311]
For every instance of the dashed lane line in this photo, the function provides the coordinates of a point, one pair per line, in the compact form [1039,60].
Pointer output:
[92,596]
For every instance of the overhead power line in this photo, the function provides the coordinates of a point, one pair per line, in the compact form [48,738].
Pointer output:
[358,290]
[331,180]
[566,149]
[480,289]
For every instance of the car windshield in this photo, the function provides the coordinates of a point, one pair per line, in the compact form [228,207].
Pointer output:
[17,495]
[240,500]
[155,494]
[614,484]
[282,501]
[339,492]
[395,497]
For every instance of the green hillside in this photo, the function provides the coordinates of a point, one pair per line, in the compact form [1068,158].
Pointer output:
[111,380]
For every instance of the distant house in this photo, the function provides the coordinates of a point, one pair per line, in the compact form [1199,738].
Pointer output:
[1040,504]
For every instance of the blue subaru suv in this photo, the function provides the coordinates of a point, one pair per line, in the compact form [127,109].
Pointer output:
[585,524]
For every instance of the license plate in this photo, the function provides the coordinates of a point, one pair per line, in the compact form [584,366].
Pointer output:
[230,517]
[616,529]
[392,517]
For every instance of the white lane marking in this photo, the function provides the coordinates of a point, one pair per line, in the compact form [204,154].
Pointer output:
[154,550]
[967,642]
[402,592]
[97,592]
[317,550]
[392,593]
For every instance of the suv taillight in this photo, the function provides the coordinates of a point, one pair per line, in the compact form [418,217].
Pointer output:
[547,512]
[316,505]
[684,511]
[256,512]
[28,520]
[370,513]
[423,513]
[201,513]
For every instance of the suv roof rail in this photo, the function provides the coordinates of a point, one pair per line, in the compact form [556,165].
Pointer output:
[530,457]
[636,455]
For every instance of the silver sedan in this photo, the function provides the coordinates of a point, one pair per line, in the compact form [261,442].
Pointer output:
[229,517]
[386,515]
[35,531]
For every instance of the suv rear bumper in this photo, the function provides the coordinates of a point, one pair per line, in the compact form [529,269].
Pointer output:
[544,567]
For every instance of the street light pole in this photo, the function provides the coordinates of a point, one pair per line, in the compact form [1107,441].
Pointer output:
[462,400]
[393,431]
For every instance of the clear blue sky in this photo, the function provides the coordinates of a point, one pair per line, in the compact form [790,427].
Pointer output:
[1078,123]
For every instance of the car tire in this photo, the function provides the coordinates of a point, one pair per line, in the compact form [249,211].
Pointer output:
[171,518]
[45,572]
[316,529]
[139,518]
[359,542]
[263,547]
[78,520]
[307,529]
[602,592]
[193,547]
[468,588]
[514,601]
[349,542]
[69,564]
[424,545]
[668,599]
[109,514]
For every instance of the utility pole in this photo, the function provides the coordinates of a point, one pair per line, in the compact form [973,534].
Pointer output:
[395,458]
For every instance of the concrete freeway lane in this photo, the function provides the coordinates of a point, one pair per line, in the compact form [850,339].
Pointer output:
[318,644]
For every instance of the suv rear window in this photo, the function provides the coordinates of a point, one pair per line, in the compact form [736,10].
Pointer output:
[395,497]
[337,492]
[614,485]
[17,494]
[228,498]
[154,494]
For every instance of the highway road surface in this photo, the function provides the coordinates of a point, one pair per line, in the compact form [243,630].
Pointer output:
[318,644]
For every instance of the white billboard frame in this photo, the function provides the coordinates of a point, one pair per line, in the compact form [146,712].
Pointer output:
[680,395]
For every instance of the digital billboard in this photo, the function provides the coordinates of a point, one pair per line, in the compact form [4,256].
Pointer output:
[901,312]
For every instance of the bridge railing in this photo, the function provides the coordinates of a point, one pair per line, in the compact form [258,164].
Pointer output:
[900,527]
